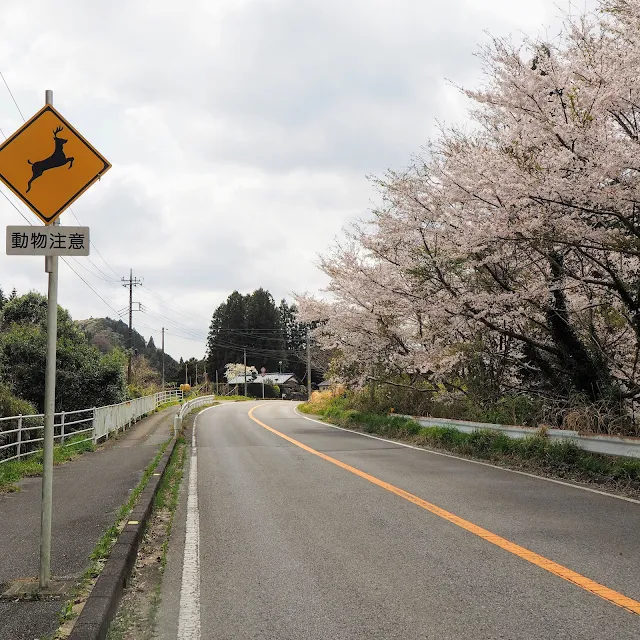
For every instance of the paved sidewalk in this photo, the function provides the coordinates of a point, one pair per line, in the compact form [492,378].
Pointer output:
[87,494]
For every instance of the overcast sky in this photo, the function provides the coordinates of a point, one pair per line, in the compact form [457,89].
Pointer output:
[241,133]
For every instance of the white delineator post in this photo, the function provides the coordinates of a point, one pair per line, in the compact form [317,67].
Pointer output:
[51,267]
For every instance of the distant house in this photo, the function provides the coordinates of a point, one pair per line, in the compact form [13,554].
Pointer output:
[287,382]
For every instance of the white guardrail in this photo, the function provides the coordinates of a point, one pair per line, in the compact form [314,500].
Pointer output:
[21,436]
[188,406]
[609,445]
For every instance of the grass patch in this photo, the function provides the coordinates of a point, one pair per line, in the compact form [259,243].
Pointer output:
[136,617]
[536,453]
[102,549]
[13,471]
[166,405]
[168,492]
[237,398]
[167,496]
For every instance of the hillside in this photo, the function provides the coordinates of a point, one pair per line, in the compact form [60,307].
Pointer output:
[107,334]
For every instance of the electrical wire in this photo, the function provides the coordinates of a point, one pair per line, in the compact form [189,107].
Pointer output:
[6,197]
[62,258]
[194,333]
[11,94]
[180,330]
[152,293]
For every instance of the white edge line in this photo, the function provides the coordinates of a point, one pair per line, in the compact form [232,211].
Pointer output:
[484,464]
[189,613]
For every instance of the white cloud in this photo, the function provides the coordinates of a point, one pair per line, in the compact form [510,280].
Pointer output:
[240,131]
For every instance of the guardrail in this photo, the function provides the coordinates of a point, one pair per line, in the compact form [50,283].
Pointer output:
[188,406]
[194,404]
[21,436]
[608,445]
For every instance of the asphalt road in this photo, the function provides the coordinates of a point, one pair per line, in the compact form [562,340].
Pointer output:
[87,494]
[293,545]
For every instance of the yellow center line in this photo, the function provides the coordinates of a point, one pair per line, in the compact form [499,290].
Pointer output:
[581,581]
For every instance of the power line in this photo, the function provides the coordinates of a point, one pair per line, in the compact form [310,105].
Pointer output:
[185,329]
[73,213]
[103,276]
[168,304]
[63,259]
[88,285]
[99,277]
[6,197]
[11,94]
[103,260]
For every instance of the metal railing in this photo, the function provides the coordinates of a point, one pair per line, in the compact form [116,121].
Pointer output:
[194,404]
[187,407]
[173,395]
[608,445]
[22,436]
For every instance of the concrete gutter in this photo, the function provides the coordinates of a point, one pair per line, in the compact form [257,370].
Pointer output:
[103,601]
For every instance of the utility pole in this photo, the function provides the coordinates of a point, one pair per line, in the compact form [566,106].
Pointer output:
[130,283]
[196,374]
[163,358]
[186,374]
[308,365]
[217,392]
[245,373]
[50,267]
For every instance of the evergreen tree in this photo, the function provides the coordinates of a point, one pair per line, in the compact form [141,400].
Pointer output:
[251,322]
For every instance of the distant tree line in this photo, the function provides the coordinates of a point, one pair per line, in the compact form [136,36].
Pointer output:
[270,333]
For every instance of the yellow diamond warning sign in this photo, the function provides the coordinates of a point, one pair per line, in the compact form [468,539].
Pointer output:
[48,164]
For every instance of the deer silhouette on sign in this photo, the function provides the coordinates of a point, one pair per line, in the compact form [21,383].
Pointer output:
[56,159]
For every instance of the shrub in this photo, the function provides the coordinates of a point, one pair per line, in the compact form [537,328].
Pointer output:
[538,452]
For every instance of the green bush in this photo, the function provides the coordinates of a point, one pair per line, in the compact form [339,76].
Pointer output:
[11,405]
[84,377]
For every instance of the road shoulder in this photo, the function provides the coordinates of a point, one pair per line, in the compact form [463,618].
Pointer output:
[88,492]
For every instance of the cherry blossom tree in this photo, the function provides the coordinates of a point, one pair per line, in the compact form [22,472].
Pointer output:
[512,245]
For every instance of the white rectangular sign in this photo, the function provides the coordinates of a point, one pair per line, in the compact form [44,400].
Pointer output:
[47,241]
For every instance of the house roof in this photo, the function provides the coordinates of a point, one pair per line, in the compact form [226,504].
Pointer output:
[269,378]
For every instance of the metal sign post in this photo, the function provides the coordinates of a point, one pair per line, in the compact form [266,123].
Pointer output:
[48,165]
[50,267]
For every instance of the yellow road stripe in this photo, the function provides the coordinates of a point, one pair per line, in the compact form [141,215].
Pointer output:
[581,581]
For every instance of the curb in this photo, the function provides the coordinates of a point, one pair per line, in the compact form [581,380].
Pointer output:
[103,601]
